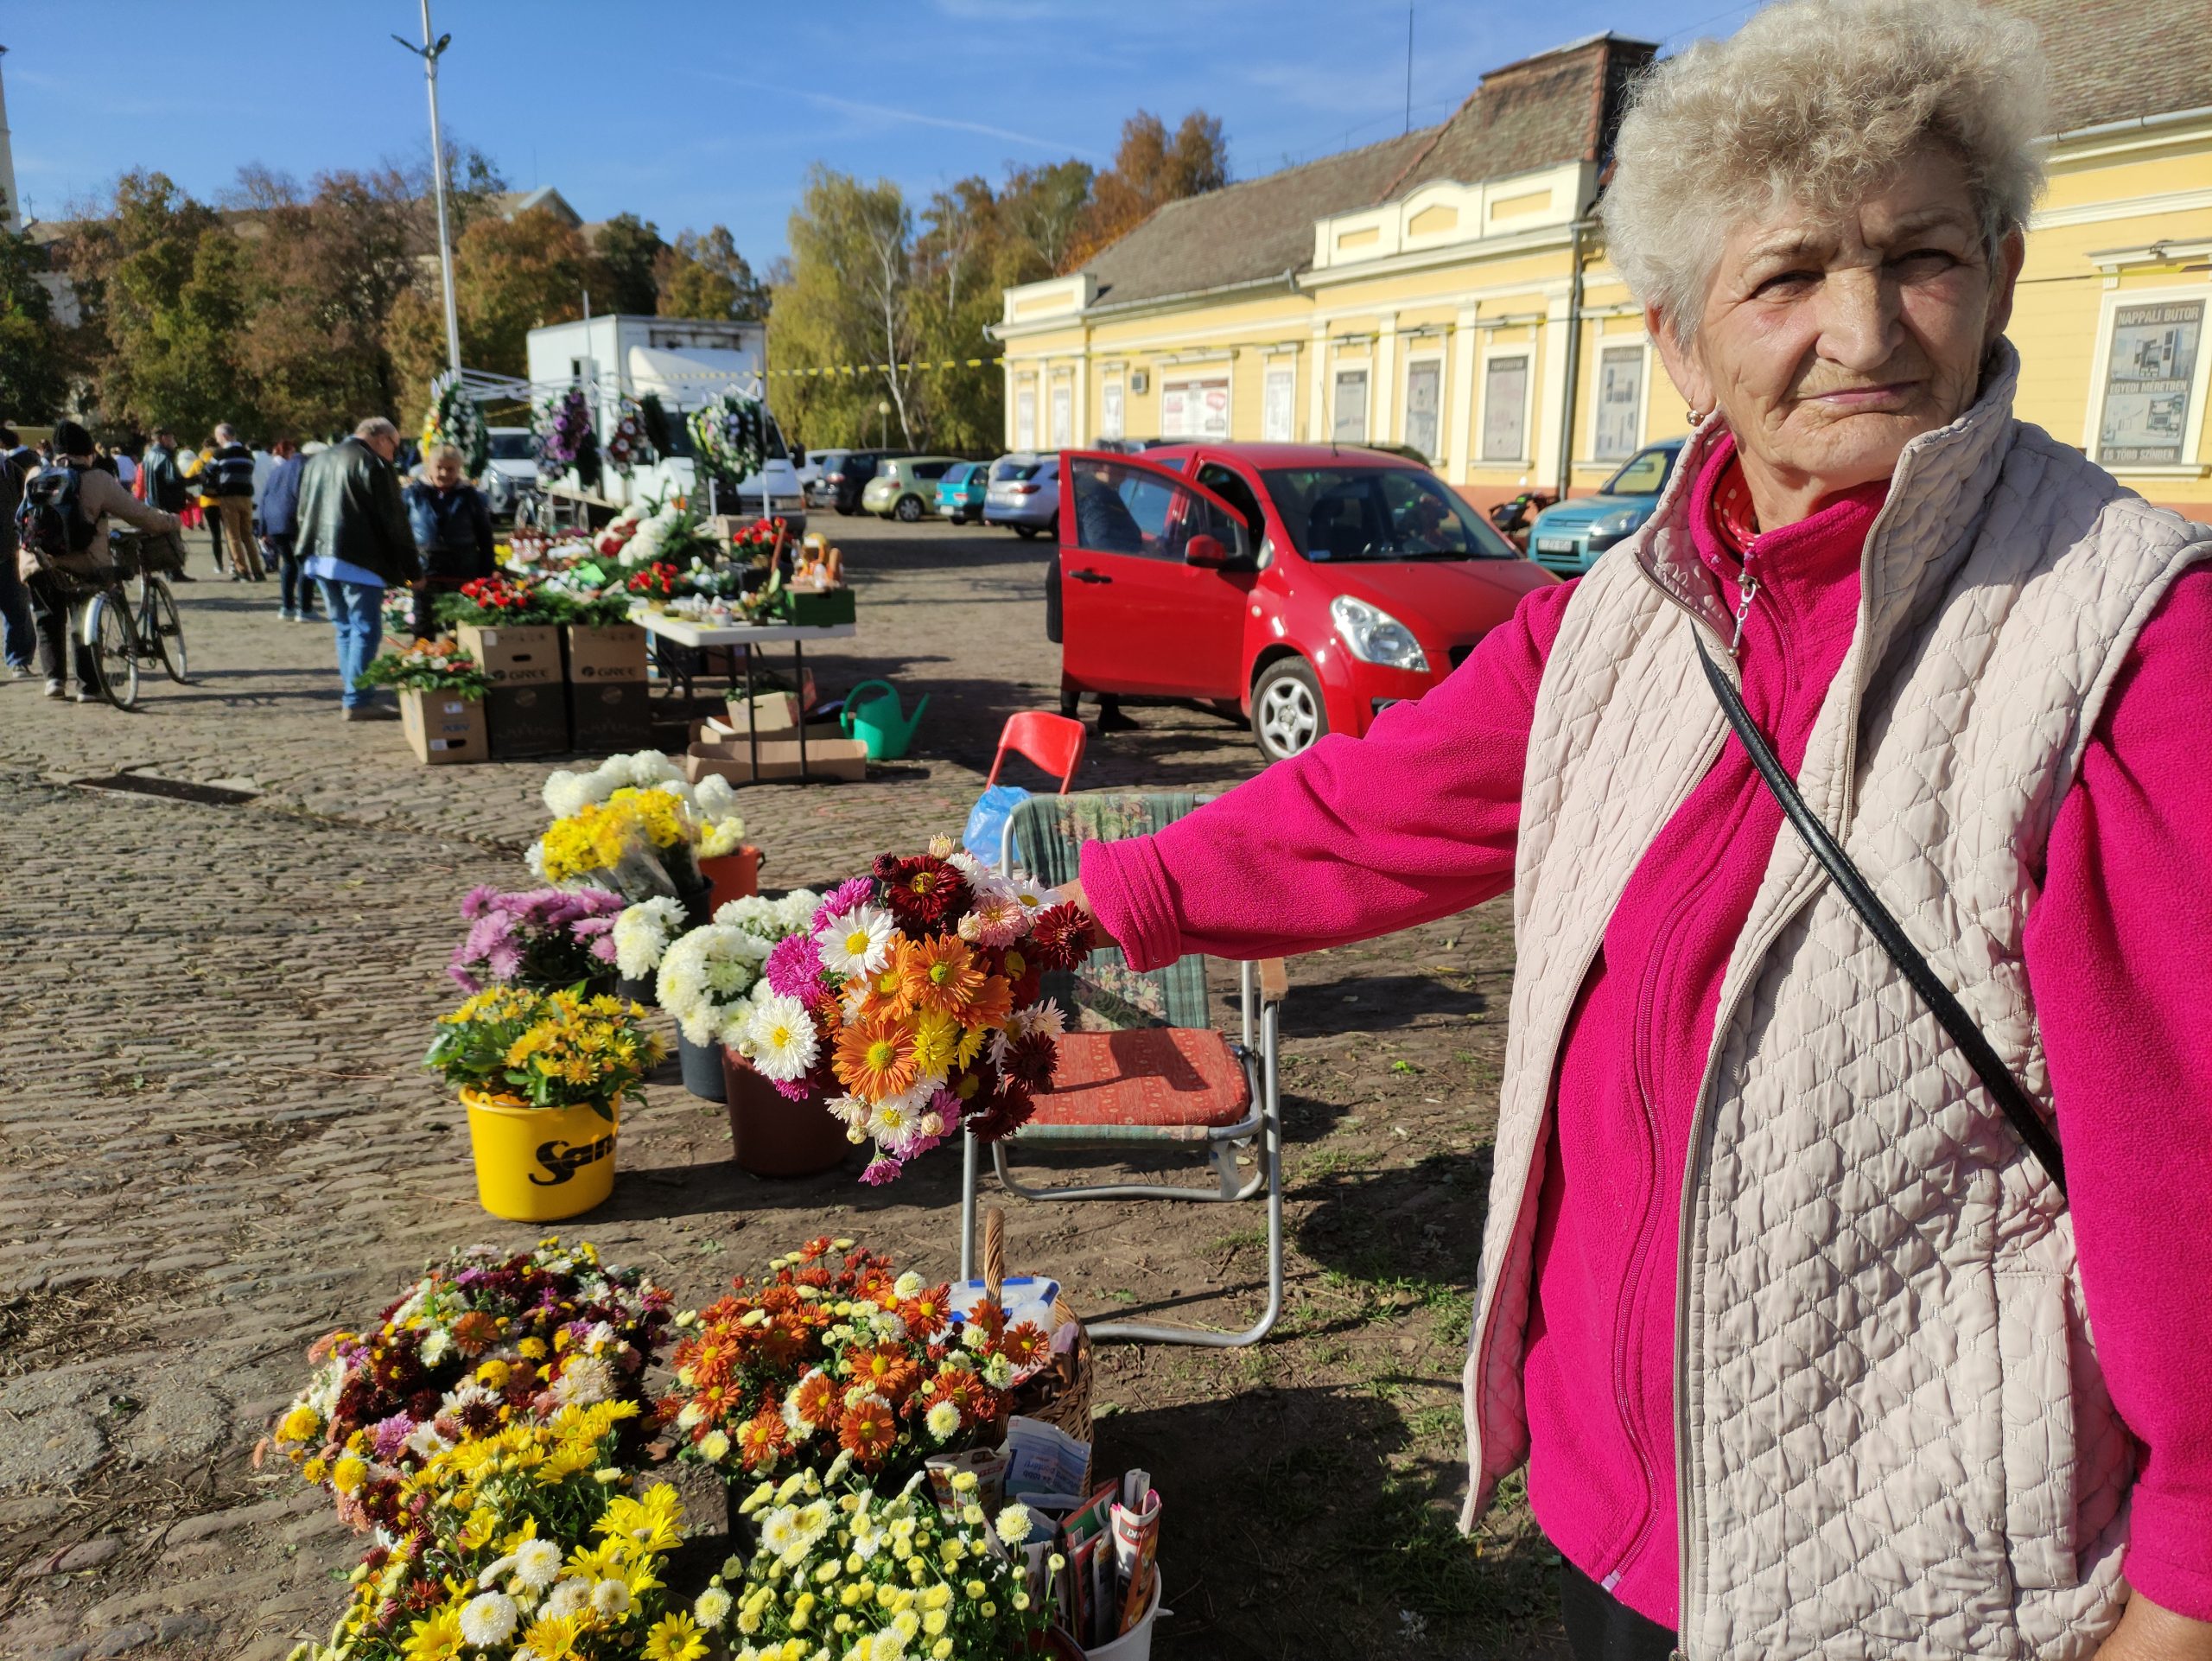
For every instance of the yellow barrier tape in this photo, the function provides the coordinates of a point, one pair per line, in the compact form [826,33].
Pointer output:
[885,368]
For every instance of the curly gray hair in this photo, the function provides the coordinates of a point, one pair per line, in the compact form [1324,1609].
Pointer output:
[1816,102]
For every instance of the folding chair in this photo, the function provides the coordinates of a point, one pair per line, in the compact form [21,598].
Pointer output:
[1052,742]
[1141,1062]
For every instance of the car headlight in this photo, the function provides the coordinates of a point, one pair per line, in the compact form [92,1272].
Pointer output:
[1616,524]
[1373,635]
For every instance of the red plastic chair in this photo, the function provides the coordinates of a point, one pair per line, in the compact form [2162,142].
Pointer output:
[1053,742]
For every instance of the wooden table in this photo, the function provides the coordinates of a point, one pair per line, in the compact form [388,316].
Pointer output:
[683,632]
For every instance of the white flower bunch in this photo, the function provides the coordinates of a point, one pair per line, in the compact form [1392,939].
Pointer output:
[705,974]
[642,934]
[566,792]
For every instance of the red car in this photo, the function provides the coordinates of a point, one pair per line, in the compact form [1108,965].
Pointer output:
[1308,586]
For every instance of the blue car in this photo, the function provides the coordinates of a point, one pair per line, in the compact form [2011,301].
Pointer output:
[1568,536]
[960,492]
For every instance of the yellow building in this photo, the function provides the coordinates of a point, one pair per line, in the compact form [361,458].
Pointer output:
[1449,290]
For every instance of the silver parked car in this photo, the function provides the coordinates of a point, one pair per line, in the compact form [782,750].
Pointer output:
[1023,494]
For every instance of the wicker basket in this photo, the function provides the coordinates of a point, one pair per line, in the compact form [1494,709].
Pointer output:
[1060,1395]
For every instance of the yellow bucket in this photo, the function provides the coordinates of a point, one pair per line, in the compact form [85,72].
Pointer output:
[534,1164]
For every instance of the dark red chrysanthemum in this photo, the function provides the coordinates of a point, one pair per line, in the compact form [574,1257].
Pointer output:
[1061,935]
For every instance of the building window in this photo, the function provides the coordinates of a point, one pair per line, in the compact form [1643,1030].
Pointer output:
[1505,409]
[1063,415]
[1194,409]
[1351,416]
[2148,376]
[1424,385]
[1025,415]
[1279,405]
[1109,410]
[1619,417]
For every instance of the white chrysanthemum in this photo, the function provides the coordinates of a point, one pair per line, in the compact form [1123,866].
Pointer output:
[1041,1017]
[424,1442]
[795,911]
[567,1598]
[489,1618]
[908,1285]
[538,1563]
[754,914]
[722,838]
[969,866]
[534,857]
[797,1422]
[566,792]
[715,800]
[998,1371]
[1033,896]
[711,1607]
[642,933]
[437,1345]
[1012,1525]
[943,1420]
[858,942]
[610,1599]
[585,1380]
[715,1446]
[783,1039]
[780,1532]
[706,971]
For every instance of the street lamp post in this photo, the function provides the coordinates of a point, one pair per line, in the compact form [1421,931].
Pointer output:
[883,423]
[430,51]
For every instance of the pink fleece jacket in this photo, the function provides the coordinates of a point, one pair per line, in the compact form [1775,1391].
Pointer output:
[2118,949]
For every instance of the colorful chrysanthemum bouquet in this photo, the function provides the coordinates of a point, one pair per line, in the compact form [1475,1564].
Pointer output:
[526,1545]
[634,825]
[887,1572]
[912,1008]
[544,939]
[484,1342]
[834,1357]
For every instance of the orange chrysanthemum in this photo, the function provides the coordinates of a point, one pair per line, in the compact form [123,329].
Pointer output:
[1025,1345]
[762,1439]
[993,1003]
[867,1430]
[886,1369]
[940,973]
[964,1389]
[876,1058]
[817,1400]
[926,1312]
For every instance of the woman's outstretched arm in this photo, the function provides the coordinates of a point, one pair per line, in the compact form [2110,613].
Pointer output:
[1354,838]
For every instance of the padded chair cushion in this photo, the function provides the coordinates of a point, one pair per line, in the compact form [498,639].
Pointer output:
[1171,1082]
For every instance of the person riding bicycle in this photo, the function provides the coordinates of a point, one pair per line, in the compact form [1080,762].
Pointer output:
[61,533]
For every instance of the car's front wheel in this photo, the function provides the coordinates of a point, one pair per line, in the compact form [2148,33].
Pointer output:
[909,510]
[1287,714]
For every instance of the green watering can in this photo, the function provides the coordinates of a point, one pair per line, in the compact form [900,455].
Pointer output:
[875,719]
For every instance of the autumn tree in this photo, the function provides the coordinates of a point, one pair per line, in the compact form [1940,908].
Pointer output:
[629,250]
[704,276]
[1151,168]
[509,277]
[850,302]
[32,384]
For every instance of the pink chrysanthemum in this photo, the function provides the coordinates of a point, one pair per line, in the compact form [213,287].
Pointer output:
[853,891]
[794,967]
[881,1171]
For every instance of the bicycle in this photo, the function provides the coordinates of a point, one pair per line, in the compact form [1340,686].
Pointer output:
[120,636]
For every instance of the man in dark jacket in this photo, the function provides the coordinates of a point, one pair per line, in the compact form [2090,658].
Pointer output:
[17,633]
[165,485]
[355,541]
[226,477]
[280,521]
[453,532]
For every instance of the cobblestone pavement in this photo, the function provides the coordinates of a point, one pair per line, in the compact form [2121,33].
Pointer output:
[220,1145]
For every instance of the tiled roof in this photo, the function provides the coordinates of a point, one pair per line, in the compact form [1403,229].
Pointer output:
[1561,105]
[2114,59]
[1246,231]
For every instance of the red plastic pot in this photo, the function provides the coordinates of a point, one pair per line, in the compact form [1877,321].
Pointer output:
[772,1136]
[731,876]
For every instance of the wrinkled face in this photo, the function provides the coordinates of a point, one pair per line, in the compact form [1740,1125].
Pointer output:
[445,472]
[1827,345]
[385,445]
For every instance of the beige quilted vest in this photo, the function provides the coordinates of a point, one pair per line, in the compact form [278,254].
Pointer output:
[1893,1435]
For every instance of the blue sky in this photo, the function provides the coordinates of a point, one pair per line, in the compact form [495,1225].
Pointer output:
[692,113]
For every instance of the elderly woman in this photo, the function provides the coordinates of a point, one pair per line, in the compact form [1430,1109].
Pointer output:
[453,532]
[1806,1347]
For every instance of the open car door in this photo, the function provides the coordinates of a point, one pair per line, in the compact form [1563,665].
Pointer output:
[1154,576]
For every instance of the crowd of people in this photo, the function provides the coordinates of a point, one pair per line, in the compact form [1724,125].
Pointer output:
[338,525]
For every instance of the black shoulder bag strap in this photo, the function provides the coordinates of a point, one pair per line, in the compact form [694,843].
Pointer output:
[1996,1078]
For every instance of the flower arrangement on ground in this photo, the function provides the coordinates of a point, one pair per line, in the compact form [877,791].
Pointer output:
[521,1048]
[527,1544]
[835,1354]
[707,976]
[911,1007]
[634,825]
[546,938]
[457,418]
[729,438]
[881,1574]
[429,666]
[643,933]
[659,580]
[484,1339]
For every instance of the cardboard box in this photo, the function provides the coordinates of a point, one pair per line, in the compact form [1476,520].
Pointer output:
[442,728]
[522,721]
[829,754]
[773,712]
[611,717]
[611,652]
[515,656]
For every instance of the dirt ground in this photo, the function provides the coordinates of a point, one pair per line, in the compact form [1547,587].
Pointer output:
[220,1145]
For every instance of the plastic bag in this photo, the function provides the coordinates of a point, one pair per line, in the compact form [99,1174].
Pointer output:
[985,837]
